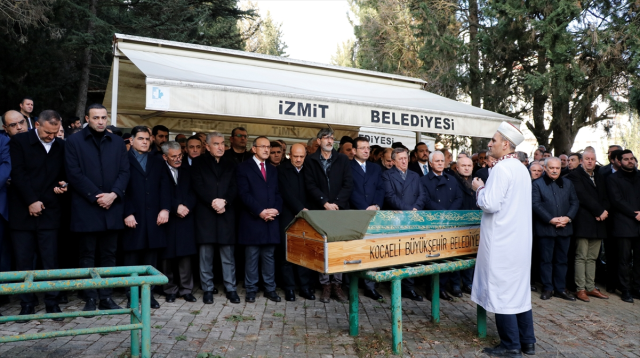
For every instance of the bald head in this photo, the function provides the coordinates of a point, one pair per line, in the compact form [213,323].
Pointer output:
[13,123]
[465,166]
[298,153]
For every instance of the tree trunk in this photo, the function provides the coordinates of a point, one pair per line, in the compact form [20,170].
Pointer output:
[474,70]
[539,101]
[561,126]
[83,86]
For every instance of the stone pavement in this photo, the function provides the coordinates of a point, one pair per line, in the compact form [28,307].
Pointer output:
[301,329]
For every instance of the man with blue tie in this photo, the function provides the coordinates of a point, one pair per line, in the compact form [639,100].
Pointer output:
[403,192]
[259,228]
[368,191]
[421,166]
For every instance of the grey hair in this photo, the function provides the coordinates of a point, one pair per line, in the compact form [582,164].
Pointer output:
[166,147]
[434,153]
[522,156]
[547,160]
[324,132]
[511,145]
[212,135]
[535,163]
[398,150]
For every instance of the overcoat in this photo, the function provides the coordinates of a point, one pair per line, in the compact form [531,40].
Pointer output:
[34,174]
[441,192]
[550,199]
[256,195]
[402,194]
[214,180]
[5,174]
[593,202]
[294,196]
[181,233]
[624,196]
[368,188]
[147,195]
[94,168]
[334,187]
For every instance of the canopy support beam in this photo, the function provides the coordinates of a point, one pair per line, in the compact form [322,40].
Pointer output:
[114,90]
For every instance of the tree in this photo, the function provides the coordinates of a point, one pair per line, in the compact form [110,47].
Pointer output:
[345,54]
[262,35]
[17,16]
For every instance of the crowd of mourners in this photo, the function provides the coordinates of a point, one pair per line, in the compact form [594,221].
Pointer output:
[74,196]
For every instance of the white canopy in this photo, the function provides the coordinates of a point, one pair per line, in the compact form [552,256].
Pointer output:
[192,88]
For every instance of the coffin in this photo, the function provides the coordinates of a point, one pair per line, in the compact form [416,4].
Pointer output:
[354,240]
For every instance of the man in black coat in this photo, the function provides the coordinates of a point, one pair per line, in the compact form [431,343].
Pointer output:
[238,152]
[97,167]
[421,166]
[611,246]
[181,242]
[329,185]
[613,165]
[35,201]
[465,177]
[294,200]
[555,205]
[147,204]
[624,196]
[403,191]
[590,228]
[213,178]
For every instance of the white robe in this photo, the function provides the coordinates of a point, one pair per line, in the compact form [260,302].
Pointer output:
[502,275]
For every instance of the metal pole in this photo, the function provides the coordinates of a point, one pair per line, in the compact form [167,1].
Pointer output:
[418,137]
[146,321]
[353,306]
[482,322]
[135,307]
[396,315]
[435,298]
[114,90]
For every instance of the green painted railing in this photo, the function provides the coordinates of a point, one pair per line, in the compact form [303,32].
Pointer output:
[84,279]
[395,275]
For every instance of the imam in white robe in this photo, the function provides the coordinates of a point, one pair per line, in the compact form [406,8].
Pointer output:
[502,275]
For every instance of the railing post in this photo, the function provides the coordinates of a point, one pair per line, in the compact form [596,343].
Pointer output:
[353,306]
[435,298]
[146,321]
[482,322]
[396,315]
[135,307]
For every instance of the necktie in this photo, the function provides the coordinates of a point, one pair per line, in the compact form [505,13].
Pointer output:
[364,167]
[425,170]
[263,171]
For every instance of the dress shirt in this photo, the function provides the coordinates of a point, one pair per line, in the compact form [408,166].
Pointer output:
[47,146]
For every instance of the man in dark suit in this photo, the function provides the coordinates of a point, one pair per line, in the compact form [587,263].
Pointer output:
[26,108]
[555,205]
[259,225]
[611,246]
[329,184]
[421,166]
[368,192]
[181,242]
[590,224]
[238,152]
[483,173]
[442,192]
[214,181]
[193,149]
[294,200]
[5,172]
[403,191]
[35,202]
[624,196]
[97,168]
[13,123]
[464,176]
[613,165]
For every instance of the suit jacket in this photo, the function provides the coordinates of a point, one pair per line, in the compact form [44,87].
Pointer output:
[5,174]
[294,193]
[147,195]
[402,194]
[552,199]
[236,158]
[181,234]
[605,171]
[368,188]
[442,192]
[333,187]
[624,196]
[593,202]
[213,180]
[94,168]
[34,174]
[482,173]
[416,167]
[256,195]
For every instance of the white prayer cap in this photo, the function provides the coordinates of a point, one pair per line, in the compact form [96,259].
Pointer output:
[510,132]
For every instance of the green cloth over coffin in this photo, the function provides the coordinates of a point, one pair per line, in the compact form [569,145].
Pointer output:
[346,225]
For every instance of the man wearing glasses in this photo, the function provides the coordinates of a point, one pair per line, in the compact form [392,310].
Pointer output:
[13,123]
[238,152]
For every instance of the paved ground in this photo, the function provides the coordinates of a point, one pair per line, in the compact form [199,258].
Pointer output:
[303,329]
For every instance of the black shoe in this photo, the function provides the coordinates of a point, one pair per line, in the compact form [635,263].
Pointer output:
[307,294]
[26,309]
[90,305]
[528,348]
[467,289]
[412,295]
[534,288]
[153,303]
[635,294]
[445,296]
[63,298]
[207,297]
[456,292]
[373,294]
[232,296]
[54,309]
[189,297]
[170,298]
[108,304]
[564,295]
[272,295]
[499,351]
[546,295]
[289,295]
[250,297]
[215,291]
[626,296]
